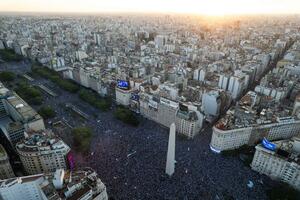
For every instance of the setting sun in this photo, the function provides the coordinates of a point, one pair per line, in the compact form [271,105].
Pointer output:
[211,7]
[149,99]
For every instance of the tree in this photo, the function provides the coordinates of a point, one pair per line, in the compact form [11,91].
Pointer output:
[7,76]
[82,138]
[94,99]
[55,77]
[9,55]
[47,112]
[126,116]
[29,93]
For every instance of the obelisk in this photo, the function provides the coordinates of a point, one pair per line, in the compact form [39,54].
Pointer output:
[170,165]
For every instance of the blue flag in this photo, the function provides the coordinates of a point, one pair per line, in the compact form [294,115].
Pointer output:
[268,145]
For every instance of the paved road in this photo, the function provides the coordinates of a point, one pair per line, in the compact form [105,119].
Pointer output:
[131,161]
[16,67]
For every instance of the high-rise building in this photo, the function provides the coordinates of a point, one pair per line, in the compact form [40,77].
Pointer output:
[159,41]
[188,122]
[97,38]
[235,86]
[14,132]
[16,116]
[280,160]
[42,153]
[160,110]
[123,96]
[246,124]
[5,167]
[211,103]
[84,184]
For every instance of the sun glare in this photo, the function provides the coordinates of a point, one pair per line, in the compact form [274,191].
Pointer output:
[207,7]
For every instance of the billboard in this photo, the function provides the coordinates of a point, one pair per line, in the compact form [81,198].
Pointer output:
[123,84]
[268,145]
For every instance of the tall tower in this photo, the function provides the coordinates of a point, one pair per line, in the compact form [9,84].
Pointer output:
[170,165]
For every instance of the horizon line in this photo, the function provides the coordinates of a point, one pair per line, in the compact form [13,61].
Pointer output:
[148,12]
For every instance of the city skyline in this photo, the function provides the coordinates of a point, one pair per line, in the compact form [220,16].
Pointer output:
[164,99]
[212,7]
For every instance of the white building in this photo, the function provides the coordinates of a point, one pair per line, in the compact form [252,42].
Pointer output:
[247,124]
[159,41]
[28,188]
[63,185]
[58,64]
[234,138]
[169,91]
[97,38]
[277,93]
[236,86]
[223,82]
[123,96]
[188,122]
[160,110]
[211,103]
[281,163]
[43,153]
[199,75]
[80,55]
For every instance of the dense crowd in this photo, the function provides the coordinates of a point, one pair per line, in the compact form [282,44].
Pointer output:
[131,160]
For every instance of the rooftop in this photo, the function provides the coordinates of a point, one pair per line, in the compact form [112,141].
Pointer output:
[45,141]
[255,109]
[286,149]
[85,181]
[27,112]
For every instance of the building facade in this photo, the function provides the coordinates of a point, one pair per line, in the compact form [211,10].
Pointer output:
[5,167]
[158,109]
[41,153]
[84,185]
[235,138]
[282,163]
[123,96]
[189,122]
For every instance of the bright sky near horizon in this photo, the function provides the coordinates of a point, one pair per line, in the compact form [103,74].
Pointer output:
[210,7]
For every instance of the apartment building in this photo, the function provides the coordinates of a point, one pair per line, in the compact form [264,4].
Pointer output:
[42,153]
[5,167]
[280,160]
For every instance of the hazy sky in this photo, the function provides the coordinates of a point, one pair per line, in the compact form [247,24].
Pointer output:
[212,7]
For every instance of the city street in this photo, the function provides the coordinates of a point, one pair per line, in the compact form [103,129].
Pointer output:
[131,161]
[80,81]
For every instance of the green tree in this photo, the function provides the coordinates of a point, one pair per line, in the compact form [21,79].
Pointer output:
[55,77]
[9,55]
[94,99]
[126,116]
[47,112]
[30,94]
[7,76]
[82,138]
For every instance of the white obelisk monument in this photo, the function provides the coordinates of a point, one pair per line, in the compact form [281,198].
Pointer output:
[170,165]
